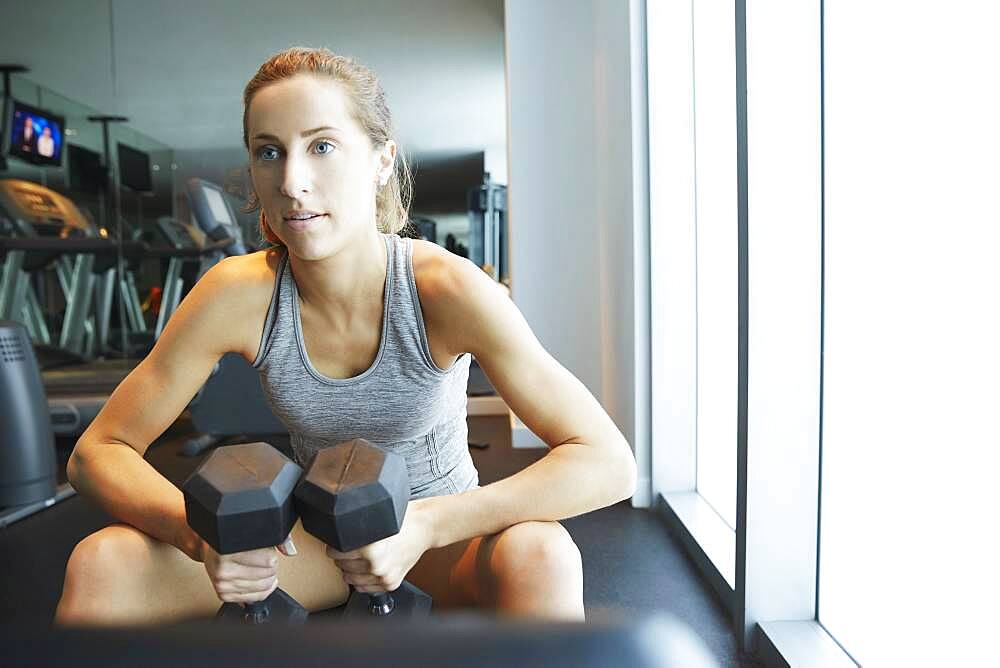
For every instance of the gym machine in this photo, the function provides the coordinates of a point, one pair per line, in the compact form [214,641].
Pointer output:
[27,445]
[29,211]
[186,249]
[214,216]
[40,228]
[232,402]
[487,205]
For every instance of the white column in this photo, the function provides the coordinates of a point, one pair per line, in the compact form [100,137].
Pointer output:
[571,194]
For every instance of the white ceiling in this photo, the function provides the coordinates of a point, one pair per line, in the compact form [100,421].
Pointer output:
[177,68]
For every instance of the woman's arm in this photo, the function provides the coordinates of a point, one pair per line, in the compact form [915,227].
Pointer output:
[107,465]
[590,464]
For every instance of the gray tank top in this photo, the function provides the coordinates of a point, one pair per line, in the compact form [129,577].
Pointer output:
[404,402]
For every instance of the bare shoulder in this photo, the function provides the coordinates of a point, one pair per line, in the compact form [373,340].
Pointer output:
[252,271]
[454,294]
[240,288]
[444,279]
[430,262]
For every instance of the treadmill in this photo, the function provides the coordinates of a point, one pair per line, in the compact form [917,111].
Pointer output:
[232,402]
[40,228]
[43,230]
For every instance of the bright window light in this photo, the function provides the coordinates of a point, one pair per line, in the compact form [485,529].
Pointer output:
[912,331]
[715,175]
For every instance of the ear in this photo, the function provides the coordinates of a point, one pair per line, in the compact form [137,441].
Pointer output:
[386,161]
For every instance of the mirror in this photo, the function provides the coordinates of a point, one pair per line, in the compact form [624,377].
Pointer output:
[175,85]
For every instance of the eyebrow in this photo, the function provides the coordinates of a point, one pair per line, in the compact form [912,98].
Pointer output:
[303,134]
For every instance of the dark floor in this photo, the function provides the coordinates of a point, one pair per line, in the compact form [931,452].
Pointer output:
[632,566]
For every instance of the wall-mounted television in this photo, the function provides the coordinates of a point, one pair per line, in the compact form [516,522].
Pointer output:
[133,167]
[85,172]
[36,135]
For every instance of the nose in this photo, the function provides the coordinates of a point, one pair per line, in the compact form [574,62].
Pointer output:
[297,179]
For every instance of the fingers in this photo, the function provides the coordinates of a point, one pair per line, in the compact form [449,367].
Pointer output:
[245,576]
[288,547]
[360,566]
[264,558]
[371,584]
[234,571]
[334,554]
[357,572]
[375,588]
[370,590]
[247,587]
[248,597]
[362,580]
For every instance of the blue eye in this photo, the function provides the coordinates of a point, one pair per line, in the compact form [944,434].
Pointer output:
[326,146]
[267,153]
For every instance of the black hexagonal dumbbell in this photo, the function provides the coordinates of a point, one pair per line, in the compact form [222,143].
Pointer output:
[352,495]
[240,499]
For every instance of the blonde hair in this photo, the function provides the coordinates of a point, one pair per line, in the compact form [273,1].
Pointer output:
[392,200]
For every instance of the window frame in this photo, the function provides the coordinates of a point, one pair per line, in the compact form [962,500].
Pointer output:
[766,572]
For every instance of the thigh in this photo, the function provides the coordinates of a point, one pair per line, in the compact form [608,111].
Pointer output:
[524,565]
[311,577]
[122,575]
[458,575]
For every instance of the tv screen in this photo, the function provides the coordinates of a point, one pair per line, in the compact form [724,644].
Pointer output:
[36,135]
[133,165]
[85,172]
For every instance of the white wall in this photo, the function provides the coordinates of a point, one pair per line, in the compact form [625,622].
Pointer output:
[573,224]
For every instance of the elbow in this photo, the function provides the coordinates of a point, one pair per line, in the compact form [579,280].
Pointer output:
[628,474]
[76,465]
[631,478]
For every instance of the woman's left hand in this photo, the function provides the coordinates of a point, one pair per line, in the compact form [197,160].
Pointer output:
[382,566]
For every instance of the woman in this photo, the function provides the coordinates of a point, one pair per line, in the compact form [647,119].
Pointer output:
[356,333]
[46,144]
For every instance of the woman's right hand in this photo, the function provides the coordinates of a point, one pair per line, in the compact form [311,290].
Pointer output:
[243,577]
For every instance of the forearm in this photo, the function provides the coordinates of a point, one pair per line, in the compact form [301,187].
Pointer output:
[570,480]
[116,478]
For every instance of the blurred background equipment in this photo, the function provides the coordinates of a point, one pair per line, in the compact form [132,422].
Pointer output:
[28,472]
[488,227]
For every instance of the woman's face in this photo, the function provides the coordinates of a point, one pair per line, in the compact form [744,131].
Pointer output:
[312,166]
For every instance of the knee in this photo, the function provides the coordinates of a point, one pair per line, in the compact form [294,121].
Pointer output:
[105,554]
[536,553]
[97,567]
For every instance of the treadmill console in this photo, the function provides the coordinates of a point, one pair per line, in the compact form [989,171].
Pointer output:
[175,232]
[36,211]
[213,214]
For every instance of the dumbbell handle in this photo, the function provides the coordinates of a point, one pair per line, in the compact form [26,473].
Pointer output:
[381,604]
[256,612]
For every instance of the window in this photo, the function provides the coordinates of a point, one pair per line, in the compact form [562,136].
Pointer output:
[910,383]
[862,489]
[716,262]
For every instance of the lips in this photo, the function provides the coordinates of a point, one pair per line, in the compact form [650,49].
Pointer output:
[300,220]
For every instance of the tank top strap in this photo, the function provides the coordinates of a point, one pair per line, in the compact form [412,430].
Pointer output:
[409,330]
[278,310]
